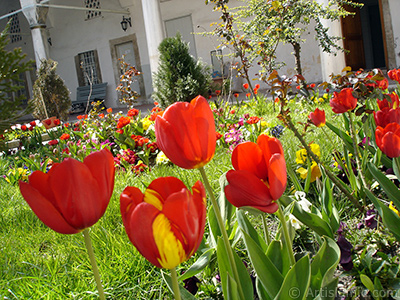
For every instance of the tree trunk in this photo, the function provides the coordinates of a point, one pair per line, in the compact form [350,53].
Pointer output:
[297,47]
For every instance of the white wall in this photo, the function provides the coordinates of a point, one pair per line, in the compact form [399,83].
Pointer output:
[394,10]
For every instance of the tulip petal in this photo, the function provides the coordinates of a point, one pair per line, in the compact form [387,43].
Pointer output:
[45,210]
[160,189]
[79,197]
[277,177]
[187,213]
[139,227]
[129,199]
[269,146]
[169,245]
[101,165]
[249,156]
[245,189]
[391,144]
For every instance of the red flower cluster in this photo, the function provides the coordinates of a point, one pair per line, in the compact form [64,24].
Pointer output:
[394,75]
[123,121]
[133,112]
[65,136]
[253,120]
[140,141]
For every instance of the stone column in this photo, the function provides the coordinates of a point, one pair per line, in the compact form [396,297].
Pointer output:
[331,63]
[154,30]
[36,17]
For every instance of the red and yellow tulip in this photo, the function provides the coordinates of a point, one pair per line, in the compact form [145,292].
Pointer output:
[73,195]
[259,177]
[186,133]
[166,222]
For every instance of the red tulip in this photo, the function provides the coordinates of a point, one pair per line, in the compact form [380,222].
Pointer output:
[72,195]
[166,223]
[343,101]
[259,177]
[387,115]
[245,86]
[317,117]
[393,103]
[123,121]
[388,139]
[24,128]
[186,133]
[394,75]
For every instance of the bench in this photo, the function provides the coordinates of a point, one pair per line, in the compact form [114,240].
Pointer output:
[97,93]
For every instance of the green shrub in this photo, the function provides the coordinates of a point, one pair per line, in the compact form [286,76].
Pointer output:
[180,77]
[51,92]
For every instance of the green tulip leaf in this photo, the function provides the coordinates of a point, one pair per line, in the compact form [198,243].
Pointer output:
[323,267]
[268,274]
[343,135]
[367,282]
[389,217]
[226,208]
[297,281]
[225,269]
[329,211]
[247,227]
[275,253]
[389,187]
[316,223]
[294,179]
[261,292]
[199,265]
[232,293]
[215,232]
[185,294]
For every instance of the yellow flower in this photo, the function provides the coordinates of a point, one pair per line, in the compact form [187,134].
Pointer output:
[315,172]
[146,122]
[263,124]
[161,158]
[391,206]
[301,155]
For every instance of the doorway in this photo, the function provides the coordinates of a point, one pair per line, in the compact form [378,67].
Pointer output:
[363,36]
[127,47]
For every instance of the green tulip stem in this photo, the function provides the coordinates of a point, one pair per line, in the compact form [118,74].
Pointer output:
[96,273]
[223,231]
[266,233]
[175,285]
[288,240]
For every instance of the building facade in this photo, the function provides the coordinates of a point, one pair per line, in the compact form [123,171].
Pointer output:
[87,37]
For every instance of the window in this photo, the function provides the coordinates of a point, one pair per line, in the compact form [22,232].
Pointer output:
[15,30]
[88,68]
[217,63]
[90,14]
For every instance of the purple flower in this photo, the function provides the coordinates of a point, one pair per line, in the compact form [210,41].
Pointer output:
[345,253]
[370,220]
[192,284]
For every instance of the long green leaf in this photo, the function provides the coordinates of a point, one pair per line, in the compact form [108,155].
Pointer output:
[389,217]
[185,294]
[323,267]
[329,211]
[343,135]
[320,226]
[247,227]
[232,293]
[266,271]
[297,281]
[225,269]
[199,265]
[261,292]
[389,187]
